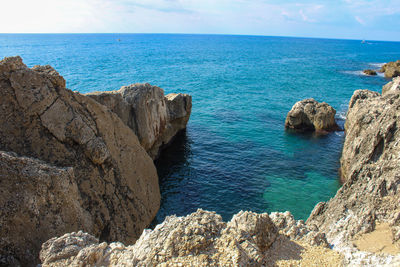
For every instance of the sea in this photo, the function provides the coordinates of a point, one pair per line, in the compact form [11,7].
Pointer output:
[235,153]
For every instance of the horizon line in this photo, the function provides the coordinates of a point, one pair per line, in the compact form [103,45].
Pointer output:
[221,34]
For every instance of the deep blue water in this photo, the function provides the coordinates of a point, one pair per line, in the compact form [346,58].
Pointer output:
[235,154]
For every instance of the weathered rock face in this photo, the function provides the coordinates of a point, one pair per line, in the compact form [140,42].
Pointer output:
[155,118]
[91,171]
[391,69]
[310,115]
[392,87]
[370,72]
[369,167]
[199,239]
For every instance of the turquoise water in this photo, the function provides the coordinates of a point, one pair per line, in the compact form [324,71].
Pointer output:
[235,154]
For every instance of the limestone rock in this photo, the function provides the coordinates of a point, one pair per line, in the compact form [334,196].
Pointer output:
[392,87]
[155,118]
[116,191]
[370,72]
[369,169]
[199,239]
[298,230]
[37,199]
[310,115]
[391,69]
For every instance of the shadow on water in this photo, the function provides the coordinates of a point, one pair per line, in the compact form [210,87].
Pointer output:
[173,158]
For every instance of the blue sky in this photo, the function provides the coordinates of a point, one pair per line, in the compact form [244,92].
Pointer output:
[350,19]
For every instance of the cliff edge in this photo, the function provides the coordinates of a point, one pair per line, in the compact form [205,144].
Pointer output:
[67,164]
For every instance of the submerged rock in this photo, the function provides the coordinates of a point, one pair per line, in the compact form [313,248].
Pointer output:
[391,69]
[85,170]
[370,72]
[310,115]
[155,118]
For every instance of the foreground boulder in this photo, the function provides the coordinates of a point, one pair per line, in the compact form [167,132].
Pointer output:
[391,69]
[369,167]
[392,87]
[310,115]
[198,239]
[155,118]
[68,164]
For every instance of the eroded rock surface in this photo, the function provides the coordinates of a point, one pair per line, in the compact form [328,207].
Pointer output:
[369,169]
[199,239]
[76,145]
[392,87]
[155,118]
[310,115]
[391,69]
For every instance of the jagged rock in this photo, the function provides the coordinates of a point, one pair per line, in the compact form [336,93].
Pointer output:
[298,230]
[113,186]
[370,72]
[391,69]
[369,169]
[199,239]
[392,87]
[310,115]
[155,118]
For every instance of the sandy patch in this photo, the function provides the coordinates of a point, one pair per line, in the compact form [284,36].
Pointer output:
[378,241]
[291,253]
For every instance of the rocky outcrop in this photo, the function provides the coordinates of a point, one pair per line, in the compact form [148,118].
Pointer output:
[391,69]
[370,72]
[155,118]
[369,169]
[310,115]
[69,164]
[199,239]
[392,87]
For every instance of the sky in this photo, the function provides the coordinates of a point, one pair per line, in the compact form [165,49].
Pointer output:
[347,19]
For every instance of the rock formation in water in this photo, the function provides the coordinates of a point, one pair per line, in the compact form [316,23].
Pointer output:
[66,164]
[369,167]
[370,72]
[155,118]
[310,115]
[391,69]
[199,239]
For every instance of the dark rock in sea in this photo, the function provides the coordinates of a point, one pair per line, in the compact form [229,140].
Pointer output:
[155,118]
[370,72]
[310,115]
[68,164]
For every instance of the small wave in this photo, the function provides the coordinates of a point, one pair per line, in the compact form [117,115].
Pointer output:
[354,72]
[339,133]
[361,73]
[376,65]
[341,115]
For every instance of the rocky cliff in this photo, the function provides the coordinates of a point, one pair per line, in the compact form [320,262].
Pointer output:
[391,69]
[155,118]
[369,169]
[367,203]
[66,164]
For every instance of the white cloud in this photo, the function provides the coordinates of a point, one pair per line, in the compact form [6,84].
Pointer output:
[359,20]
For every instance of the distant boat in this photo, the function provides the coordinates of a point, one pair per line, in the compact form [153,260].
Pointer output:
[363,42]
[119,40]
